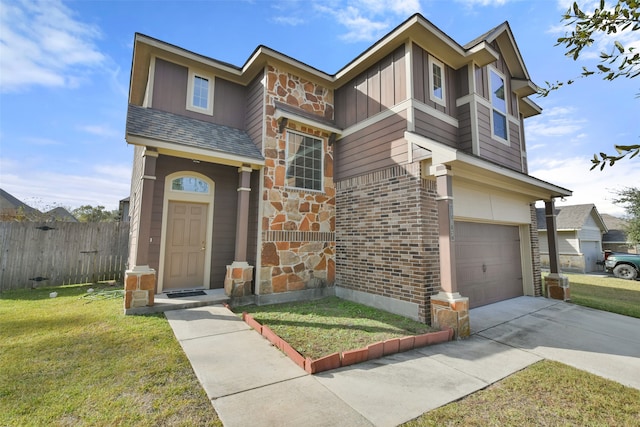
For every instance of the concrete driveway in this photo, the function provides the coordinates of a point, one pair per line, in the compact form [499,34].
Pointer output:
[251,383]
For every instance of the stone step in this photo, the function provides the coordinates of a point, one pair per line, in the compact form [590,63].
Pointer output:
[163,303]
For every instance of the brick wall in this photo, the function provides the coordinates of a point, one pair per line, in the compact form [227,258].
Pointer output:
[387,236]
[535,252]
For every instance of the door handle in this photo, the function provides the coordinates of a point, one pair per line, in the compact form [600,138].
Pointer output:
[203,246]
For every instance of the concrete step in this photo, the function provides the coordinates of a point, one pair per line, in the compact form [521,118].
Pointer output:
[163,303]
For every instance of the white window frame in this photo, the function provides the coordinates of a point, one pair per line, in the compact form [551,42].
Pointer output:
[504,113]
[431,62]
[190,88]
[322,154]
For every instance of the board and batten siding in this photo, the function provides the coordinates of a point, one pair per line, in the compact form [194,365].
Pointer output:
[225,180]
[465,135]
[375,147]
[255,110]
[377,89]
[422,83]
[170,94]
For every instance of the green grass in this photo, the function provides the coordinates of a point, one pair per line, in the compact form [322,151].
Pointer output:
[544,394]
[74,361]
[321,327]
[606,293]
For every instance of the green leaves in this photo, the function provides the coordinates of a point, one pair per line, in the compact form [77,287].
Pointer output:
[622,150]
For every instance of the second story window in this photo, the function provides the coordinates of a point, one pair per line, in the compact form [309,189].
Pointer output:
[436,81]
[499,104]
[200,93]
[304,162]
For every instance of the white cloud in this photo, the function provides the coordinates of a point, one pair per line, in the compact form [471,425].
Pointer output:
[588,186]
[554,122]
[101,130]
[289,20]
[106,186]
[41,43]
[368,20]
[483,2]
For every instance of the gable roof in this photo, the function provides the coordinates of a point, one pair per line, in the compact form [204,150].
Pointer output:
[7,201]
[159,127]
[416,28]
[60,214]
[572,217]
[617,227]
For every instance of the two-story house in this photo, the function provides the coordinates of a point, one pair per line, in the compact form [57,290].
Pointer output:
[399,182]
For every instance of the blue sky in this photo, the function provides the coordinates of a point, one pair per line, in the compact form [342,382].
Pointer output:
[64,76]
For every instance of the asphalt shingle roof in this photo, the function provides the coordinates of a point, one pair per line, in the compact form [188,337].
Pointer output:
[616,228]
[169,127]
[567,217]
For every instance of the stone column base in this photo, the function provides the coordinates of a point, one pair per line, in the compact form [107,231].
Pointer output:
[451,311]
[237,282]
[139,287]
[557,287]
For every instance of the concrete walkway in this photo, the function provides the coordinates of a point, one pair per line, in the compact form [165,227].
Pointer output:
[252,383]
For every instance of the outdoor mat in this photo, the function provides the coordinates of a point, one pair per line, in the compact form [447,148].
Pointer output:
[185,294]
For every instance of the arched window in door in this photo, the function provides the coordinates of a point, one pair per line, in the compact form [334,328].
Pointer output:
[189,184]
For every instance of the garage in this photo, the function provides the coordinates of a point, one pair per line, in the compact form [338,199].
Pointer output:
[488,265]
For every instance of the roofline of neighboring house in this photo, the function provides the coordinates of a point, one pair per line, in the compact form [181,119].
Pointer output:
[440,44]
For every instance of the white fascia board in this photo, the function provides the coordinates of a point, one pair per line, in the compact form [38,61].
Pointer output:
[444,154]
[196,153]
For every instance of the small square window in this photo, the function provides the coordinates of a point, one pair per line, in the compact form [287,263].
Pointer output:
[200,93]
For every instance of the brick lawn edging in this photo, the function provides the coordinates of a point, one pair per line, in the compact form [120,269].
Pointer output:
[349,357]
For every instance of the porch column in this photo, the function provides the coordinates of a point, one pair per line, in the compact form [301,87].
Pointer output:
[237,282]
[557,285]
[140,280]
[448,307]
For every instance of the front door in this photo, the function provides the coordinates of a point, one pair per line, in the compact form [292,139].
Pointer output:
[185,245]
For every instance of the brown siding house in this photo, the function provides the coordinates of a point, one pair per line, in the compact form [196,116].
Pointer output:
[397,182]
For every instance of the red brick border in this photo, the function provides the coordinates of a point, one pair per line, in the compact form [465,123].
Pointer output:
[349,357]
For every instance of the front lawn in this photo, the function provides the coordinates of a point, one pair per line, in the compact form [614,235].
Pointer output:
[606,293]
[321,327]
[74,361]
[544,394]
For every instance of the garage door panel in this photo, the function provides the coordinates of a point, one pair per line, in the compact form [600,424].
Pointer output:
[488,266]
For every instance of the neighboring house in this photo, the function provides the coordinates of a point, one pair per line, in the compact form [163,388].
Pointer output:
[123,210]
[59,214]
[615,239]
[400,181]
[11,208]
[579,229]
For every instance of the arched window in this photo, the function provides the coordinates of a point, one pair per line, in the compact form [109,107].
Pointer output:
[189,184]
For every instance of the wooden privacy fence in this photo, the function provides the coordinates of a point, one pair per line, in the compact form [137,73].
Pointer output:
[61,253]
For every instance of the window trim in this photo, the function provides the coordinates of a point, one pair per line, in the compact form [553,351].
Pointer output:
[322,155]
[430,63]
[494,109]
[190,88]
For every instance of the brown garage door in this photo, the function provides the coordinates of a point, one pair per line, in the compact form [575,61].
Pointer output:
[488,262]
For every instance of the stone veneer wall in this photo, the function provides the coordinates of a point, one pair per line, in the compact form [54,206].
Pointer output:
[298,226]
[535,252]
[387,236]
